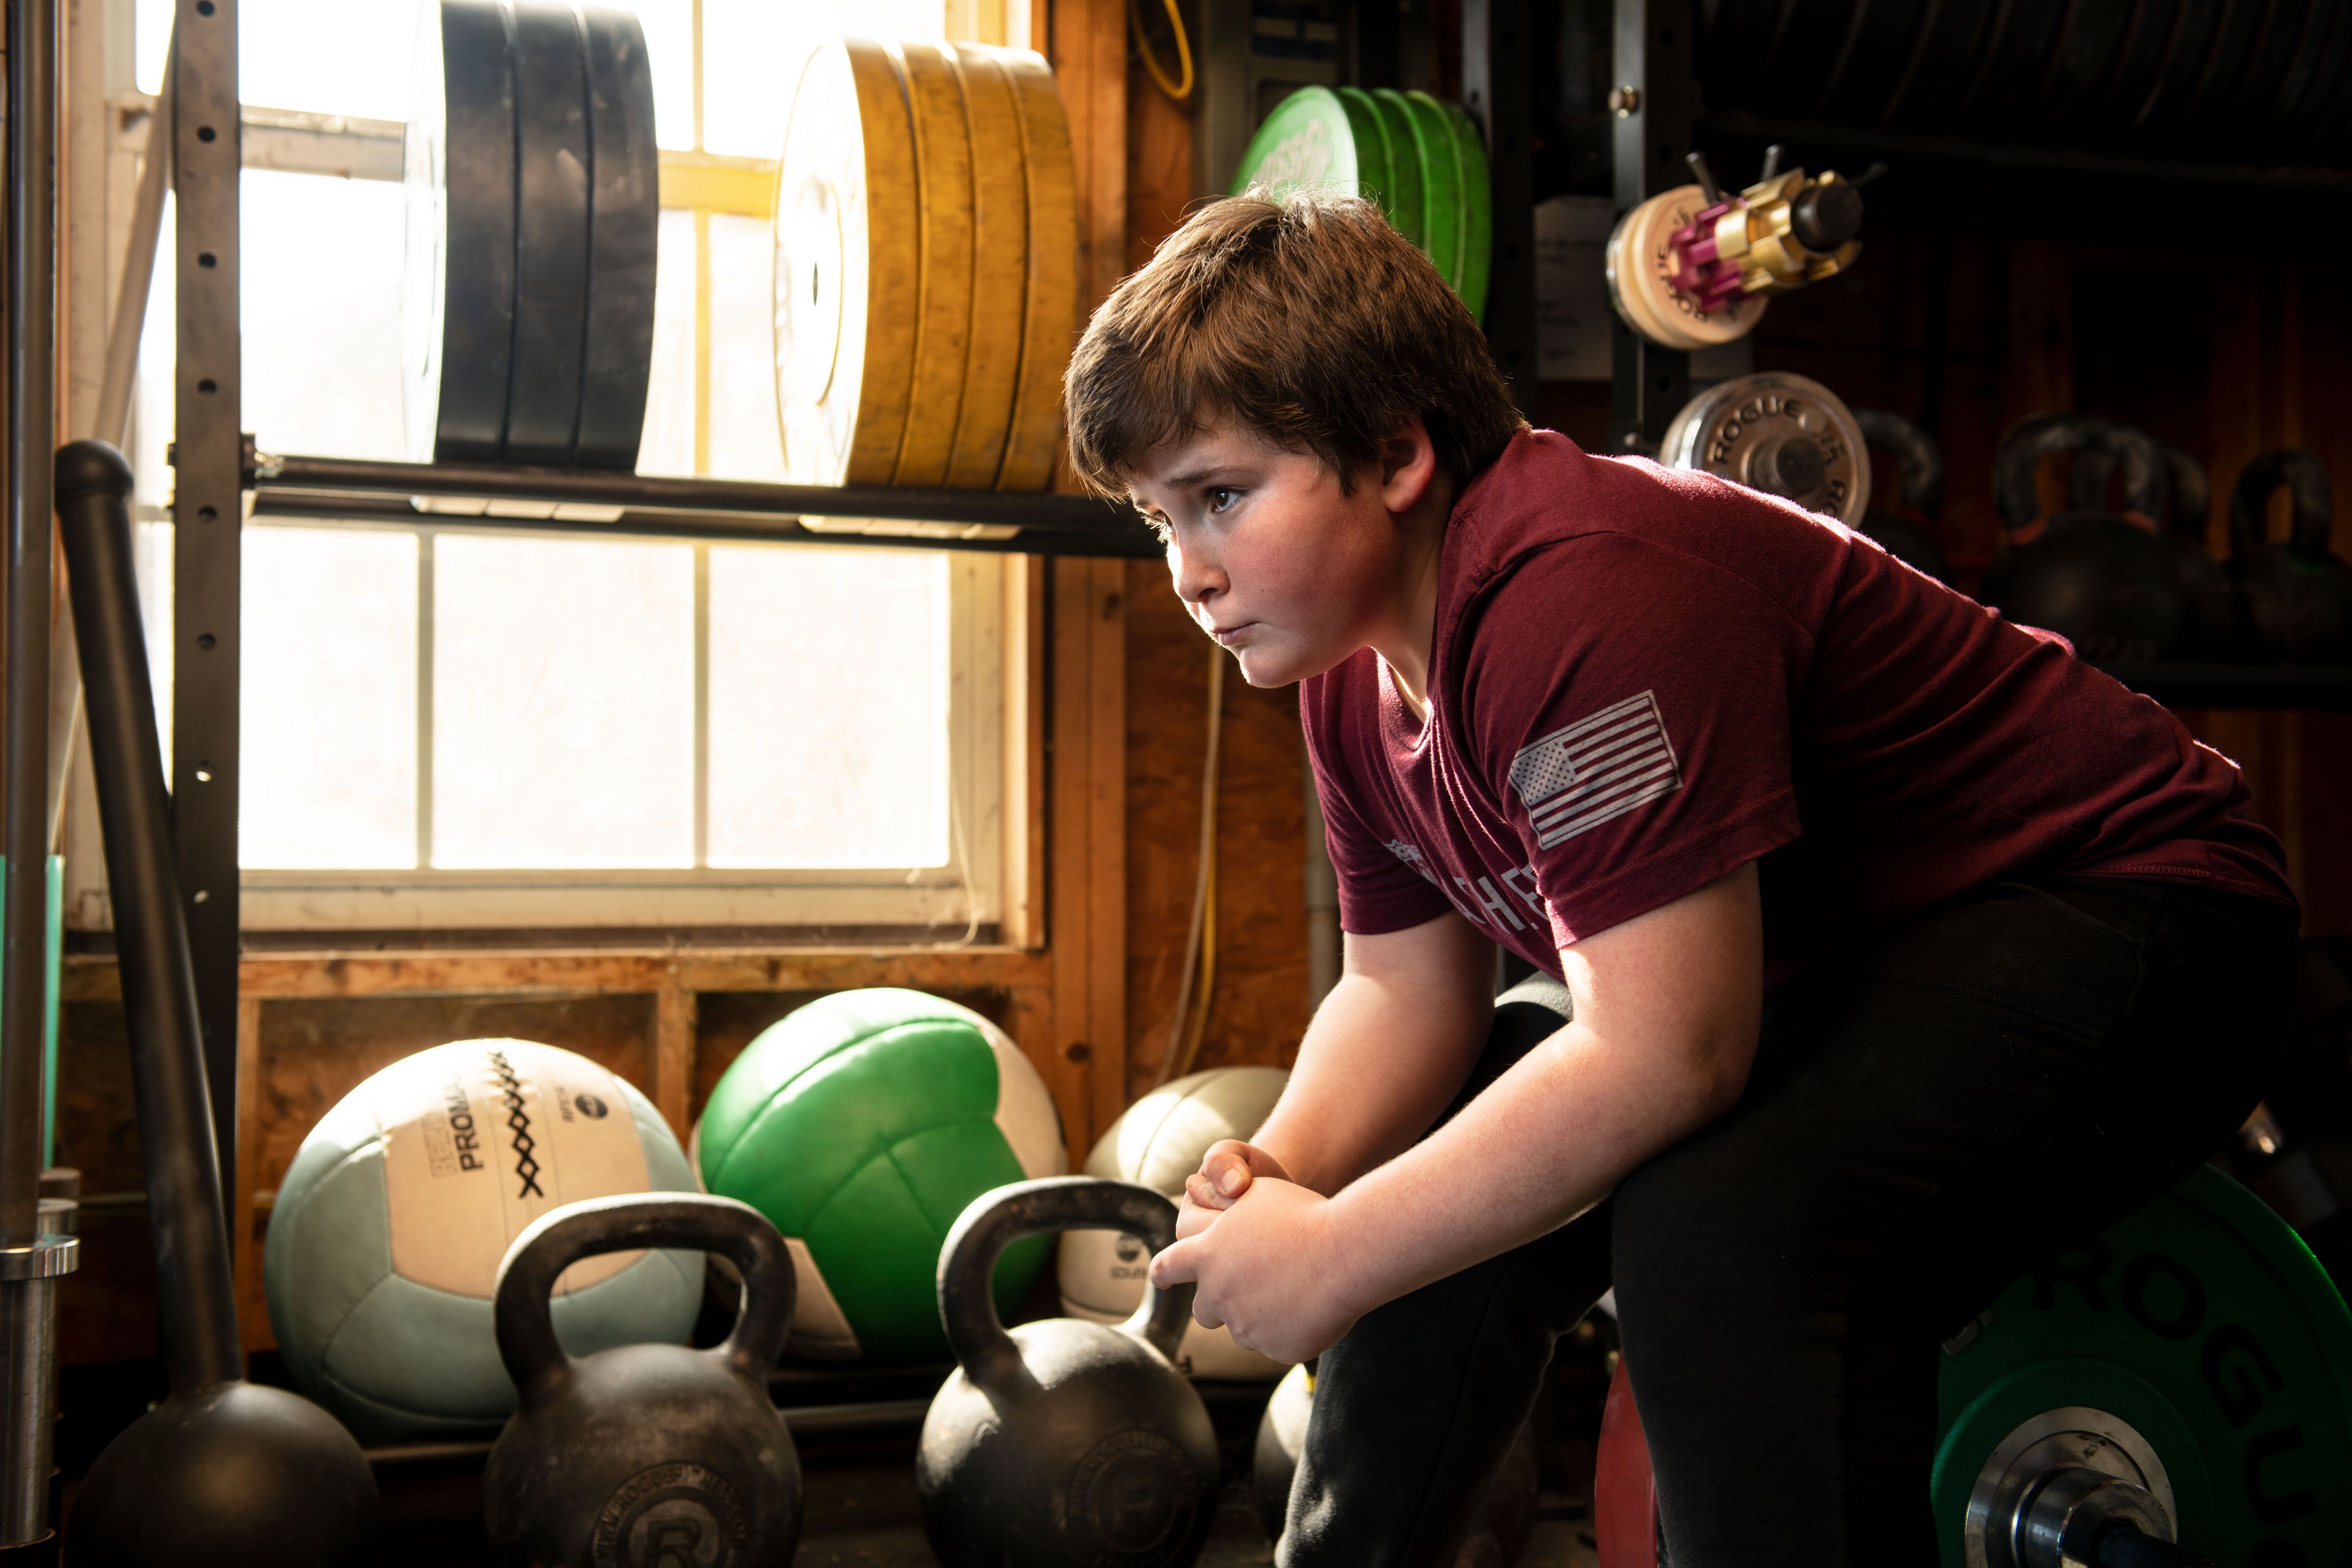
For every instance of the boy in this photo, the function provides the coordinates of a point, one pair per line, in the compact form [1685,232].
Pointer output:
[1886,948]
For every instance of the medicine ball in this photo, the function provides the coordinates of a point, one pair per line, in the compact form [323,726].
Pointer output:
[1158,1143]
[862,1125]
[384,1247]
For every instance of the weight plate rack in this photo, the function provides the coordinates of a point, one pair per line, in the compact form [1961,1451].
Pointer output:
[534,187]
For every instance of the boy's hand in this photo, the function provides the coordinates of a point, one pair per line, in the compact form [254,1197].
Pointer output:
[1225,1174]
[1268,1268]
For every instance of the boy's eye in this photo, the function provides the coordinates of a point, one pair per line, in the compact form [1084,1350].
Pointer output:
[1220,497]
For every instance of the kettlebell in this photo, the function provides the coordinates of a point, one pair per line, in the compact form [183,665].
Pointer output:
[2105,584]
[1901,526]
[2297,595]
[1063,1444]
[644,1456]
[2213,631]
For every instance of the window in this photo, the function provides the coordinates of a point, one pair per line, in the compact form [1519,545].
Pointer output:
[449,728]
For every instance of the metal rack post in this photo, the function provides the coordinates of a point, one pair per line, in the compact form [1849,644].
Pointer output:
[29,1261]
[1653,100]
[208,509]
[1496,92]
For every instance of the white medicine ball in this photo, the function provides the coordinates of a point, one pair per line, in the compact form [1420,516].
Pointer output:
[1158,1143]
[385,1240]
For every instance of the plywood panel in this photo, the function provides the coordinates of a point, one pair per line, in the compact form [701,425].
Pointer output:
[1258,1005]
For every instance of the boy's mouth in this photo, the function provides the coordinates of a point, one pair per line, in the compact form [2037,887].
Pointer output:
[1228,636]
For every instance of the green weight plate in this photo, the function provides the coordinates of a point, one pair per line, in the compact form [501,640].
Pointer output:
[1312,141]
[1441,185]
[2203,1322]
[1399,192]
[1477,209]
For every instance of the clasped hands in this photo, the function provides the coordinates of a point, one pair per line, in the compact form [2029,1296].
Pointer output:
[1262,1253]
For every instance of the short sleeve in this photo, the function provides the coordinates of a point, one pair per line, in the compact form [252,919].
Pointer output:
[1628,707]
[1381,889]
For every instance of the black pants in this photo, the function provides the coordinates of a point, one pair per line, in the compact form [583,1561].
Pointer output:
[1928,1116]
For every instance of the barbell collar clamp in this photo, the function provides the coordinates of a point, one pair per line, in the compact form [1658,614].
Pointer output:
[47,1258]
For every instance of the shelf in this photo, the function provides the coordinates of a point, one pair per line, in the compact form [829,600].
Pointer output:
[454,495]
[2238,685]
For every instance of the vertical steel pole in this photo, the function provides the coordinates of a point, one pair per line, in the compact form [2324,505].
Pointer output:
[1653,99]
[1495,91]
[28,1265]
[209,508]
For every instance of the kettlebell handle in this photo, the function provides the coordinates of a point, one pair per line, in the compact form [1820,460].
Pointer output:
[1917,459]
[2305,478]
[2147,485]
[679,1220]
[997,1219]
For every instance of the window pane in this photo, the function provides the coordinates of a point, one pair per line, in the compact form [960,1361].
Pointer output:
[563,703]
[330,699]
[744,440]
[668,444]
[323,260]
[750,47]
[828,707]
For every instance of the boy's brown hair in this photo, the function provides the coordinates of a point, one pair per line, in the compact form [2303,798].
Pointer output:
[1307,319]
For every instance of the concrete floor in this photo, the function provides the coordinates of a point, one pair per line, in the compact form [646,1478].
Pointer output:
[862,1514]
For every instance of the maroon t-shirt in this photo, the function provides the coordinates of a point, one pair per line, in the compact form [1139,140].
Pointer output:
[1641,679]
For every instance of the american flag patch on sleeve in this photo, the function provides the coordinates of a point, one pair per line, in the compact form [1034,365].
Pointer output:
[1595,769]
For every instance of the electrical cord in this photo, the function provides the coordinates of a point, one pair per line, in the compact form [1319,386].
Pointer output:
[1201,945]
[1181,89]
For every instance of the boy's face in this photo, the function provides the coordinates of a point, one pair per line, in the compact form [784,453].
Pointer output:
[1287,573]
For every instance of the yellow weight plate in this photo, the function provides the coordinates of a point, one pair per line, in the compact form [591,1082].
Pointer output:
[1000,245]
[1050,310]
[1640,273]
[943,223]
[847,265]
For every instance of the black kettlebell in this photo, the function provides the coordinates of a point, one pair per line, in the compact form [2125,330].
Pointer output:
[2105,584]
[2210,628]
[644,1456]
[2297,595]
[1902,526]
[2213,631]
[1063,1444]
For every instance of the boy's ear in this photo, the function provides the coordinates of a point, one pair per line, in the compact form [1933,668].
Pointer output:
[1408,464]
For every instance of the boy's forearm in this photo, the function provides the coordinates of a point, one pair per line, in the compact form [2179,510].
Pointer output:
[1551,1138]
[1375,1070]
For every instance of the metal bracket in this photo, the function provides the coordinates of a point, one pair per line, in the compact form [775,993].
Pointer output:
[1653,100]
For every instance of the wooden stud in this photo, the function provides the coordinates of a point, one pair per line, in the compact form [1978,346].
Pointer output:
[674,1012]
[244,1250]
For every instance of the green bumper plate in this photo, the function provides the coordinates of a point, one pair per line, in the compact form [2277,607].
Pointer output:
[2204,1323]
[1478,210]
[1441,181]
[1399,192]
[1315,141]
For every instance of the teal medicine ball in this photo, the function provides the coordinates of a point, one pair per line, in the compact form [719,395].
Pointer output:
[385,1240]
[862,1125]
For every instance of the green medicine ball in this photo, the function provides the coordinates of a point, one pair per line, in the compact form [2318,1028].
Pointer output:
[862,1125]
